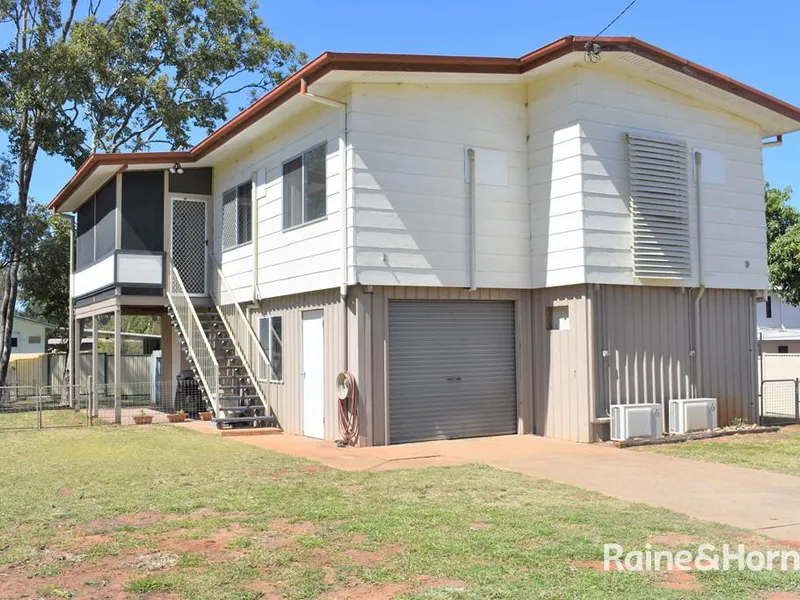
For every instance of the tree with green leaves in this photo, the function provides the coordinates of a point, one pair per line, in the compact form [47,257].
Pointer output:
[81,77]
[783,243]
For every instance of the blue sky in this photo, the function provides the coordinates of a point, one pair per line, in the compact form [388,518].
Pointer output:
[754,42]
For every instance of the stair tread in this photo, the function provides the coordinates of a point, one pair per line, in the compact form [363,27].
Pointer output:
[243,419]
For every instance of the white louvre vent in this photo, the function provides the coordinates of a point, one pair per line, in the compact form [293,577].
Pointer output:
[659,187]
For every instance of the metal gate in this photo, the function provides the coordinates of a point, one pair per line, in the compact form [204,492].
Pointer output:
[452,370]
[28,407]
[779,403]
[189,235]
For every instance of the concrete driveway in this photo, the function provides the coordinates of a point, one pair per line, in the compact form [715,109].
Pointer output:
[747,498]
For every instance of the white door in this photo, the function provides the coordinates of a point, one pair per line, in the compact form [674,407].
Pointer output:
[313,379]
[189,249]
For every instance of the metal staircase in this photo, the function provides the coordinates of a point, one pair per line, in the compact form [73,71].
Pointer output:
[220,359]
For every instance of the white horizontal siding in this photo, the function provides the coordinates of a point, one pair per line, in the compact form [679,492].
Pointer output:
[303,259]
[555,182]
[410,223]
[611,104]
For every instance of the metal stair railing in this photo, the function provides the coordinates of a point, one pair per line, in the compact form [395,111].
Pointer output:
[245,340]
[197,343]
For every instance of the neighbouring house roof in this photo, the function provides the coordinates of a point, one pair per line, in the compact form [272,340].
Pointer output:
[773,334]
[29,320]
[98,168]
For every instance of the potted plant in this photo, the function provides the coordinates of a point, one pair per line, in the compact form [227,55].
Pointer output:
[205,415]
[178,417]
[142,418]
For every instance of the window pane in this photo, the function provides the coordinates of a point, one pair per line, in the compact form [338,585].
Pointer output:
[229,219]
[315,196]
[13,342]
[244,214]
[34,339]
[276,348]
[293,193]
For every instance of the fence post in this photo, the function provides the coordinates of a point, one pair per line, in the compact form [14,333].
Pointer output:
[797,399]
[90,401]
[38,409]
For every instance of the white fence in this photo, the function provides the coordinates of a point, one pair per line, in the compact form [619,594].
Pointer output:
[778,374]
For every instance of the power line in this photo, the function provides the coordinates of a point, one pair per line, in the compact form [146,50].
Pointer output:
[593,52]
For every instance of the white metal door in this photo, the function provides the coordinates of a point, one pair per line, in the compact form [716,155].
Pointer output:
[313,377]
[189,248]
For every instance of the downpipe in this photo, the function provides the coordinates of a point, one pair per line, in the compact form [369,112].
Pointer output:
[350,433]
[698,361]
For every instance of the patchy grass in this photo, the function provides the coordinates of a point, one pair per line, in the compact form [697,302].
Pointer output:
[28,419]
[768,451]
[138,512]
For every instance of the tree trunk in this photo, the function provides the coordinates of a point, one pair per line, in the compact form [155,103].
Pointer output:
[9,301]
[8,304]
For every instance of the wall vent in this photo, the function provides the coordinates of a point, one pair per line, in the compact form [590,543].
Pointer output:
[659,190]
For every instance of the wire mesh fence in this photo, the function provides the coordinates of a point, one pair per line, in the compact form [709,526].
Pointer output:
[146,402]
[29,407]
[126,403]
[19,407]
[780,401]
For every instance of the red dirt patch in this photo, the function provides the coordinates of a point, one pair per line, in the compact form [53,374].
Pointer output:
[296,528]
[679,580]
[213,546]
[366,557]
[431,583]
[479,525]
[672,539]
[364,591]
[64,492]
[783,596]
[595,565]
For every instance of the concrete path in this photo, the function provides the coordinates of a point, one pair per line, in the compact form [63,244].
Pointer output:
[747,498]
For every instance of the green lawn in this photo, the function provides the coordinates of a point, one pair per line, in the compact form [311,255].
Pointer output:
[142,512]
[769,451]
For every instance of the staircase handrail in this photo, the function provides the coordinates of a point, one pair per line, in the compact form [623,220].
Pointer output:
[191,327]
[244,337]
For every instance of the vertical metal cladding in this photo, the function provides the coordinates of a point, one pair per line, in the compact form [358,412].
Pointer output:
[287,397]
[729,353]
[644,338]
[561,365]
[643,344]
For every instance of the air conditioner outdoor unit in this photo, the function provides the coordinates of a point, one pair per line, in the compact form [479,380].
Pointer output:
[635,421]
[692,414]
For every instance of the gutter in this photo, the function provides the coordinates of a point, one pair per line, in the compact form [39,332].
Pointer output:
[405,63]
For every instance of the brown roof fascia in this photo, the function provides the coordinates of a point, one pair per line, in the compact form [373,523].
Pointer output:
[331,61]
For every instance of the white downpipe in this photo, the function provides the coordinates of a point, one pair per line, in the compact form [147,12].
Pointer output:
[254,205]
[698,163]
[473,224]
[343,286]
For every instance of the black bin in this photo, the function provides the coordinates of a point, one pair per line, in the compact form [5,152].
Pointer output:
[188,396]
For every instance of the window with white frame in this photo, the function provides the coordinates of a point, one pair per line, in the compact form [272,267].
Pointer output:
[34,339]
[304,195]
[237,216]
[270,333]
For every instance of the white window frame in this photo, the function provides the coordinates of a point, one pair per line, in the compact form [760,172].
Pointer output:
[303,222]
[249,185]
[269,348]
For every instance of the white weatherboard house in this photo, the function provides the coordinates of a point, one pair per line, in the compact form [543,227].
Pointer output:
[489,245]
[28,336]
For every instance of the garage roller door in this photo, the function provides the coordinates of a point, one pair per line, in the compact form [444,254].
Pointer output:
[452,370]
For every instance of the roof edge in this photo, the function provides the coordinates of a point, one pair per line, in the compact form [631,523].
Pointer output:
[424,63]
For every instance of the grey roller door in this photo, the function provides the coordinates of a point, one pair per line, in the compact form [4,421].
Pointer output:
[452,370]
